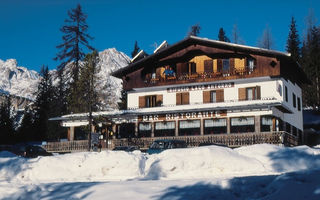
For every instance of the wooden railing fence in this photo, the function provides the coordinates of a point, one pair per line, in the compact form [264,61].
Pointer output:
[231,140]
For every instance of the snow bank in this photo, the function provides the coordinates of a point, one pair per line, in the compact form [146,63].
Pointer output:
[201,162]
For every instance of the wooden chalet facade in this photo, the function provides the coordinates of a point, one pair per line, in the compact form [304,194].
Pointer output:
[210,91]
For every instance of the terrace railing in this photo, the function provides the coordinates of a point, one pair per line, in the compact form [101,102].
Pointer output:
[230,140]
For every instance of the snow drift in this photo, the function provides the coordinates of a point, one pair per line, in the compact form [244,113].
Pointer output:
[200,162]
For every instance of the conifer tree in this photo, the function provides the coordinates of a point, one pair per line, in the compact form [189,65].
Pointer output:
[136,50]
[293,41]
[7,130]
[71,53]
[44,105]
[222,36]
[194,30]
[311,65]
[27,128]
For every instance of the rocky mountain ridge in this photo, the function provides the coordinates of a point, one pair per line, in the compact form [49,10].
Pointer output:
[20,81]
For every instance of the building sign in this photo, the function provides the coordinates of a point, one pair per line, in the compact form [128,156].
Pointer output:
[201,87]
[180,116]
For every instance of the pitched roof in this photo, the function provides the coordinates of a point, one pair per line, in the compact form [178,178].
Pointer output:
[193,40]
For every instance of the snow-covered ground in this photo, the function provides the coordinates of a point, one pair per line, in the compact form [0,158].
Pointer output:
[253,172]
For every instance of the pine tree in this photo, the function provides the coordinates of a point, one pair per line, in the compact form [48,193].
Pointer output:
[71,53]
[123,100]
[136,50]
[87,85]
[7,130]
[311,65]
[27,129]
[266,41]
[222,36]
[44,105]
[293,41]
[194,30]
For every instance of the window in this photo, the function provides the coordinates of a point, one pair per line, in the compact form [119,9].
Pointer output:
[294,100]
[250,65]
[213,96]
[299,104]
[286,93]
[250,93]
[189,127]
[266,123]
[193,68]
[144,129]
[182,98]
[253,93]
[164,129]
[242,124]
[226,65]
[215,126]
[151,101]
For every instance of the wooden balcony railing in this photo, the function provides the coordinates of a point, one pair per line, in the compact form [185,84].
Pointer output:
[230,140]
[191,77]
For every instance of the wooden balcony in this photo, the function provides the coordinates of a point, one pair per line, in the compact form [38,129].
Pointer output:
[230,140]
[157,80]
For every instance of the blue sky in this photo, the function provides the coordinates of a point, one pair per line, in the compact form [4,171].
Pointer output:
[30,28]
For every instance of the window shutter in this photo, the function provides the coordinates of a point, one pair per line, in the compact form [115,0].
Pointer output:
[258,90]
[142,102]
[183,68]
[220,95]
[206,96]
[231,60]
[219,65]
[242,94]
[185,98]
[193,68]
[208,66]
[159,100]
[178,99]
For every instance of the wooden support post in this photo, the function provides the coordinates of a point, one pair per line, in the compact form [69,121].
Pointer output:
[201,126]
[228,125]
[71,133]
[152,129]
[136,128]
[257,127]
[177,128]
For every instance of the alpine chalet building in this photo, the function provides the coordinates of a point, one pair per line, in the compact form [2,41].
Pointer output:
[215,91]
[205,91]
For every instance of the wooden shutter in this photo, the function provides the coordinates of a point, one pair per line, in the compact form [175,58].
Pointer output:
[206,96]
[142,101]
[178,99]
[159,100]
[193,68]
[242,94]
[219,65]
[231,63]
[220,95]
[184,69]
[208,66]
[258,90]
[185,98]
